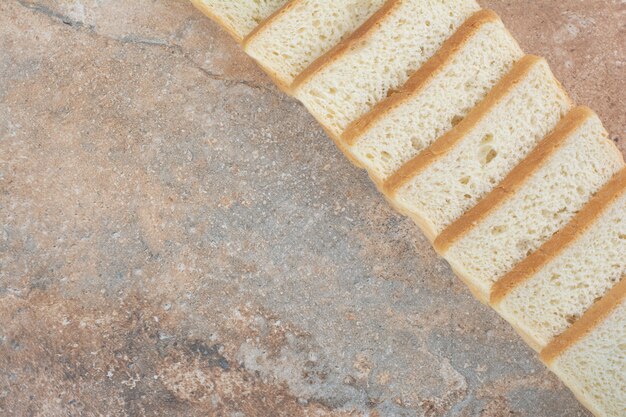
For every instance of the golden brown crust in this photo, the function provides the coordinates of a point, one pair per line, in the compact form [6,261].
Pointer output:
[562,239]
[207,12]
[420,79]
[515,179]
[591,319]
[284,9]
[448,140]
[357,36]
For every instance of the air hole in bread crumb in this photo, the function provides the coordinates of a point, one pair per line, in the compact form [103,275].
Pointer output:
[416,143]
[456,120]
[487,154]
[464,180]
[555,278]
[391,92]
[486,139]
[498,229]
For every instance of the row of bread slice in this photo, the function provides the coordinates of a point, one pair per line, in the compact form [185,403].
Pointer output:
[463,145]
[285,37]
[546,248]
[540,234]
[341,58]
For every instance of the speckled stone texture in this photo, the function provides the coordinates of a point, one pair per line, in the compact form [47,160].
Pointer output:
[180,238]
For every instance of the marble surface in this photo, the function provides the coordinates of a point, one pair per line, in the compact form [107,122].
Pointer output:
[180,238]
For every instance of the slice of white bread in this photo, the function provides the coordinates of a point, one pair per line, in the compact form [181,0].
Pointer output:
[536,199]
[302,31]
[379,57]
[446,179]
[238,17]
[546,292]
[435,98]
[590,357]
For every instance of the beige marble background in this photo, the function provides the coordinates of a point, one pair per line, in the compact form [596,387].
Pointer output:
[179,238]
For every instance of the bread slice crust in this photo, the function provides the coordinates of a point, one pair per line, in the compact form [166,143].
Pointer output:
[581,222]
[451,138]
[420,79]
[284,9]
[515,179]
[338,50]
[593,317]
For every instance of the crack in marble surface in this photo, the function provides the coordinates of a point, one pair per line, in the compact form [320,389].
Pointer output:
[136,40]
[47,11]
